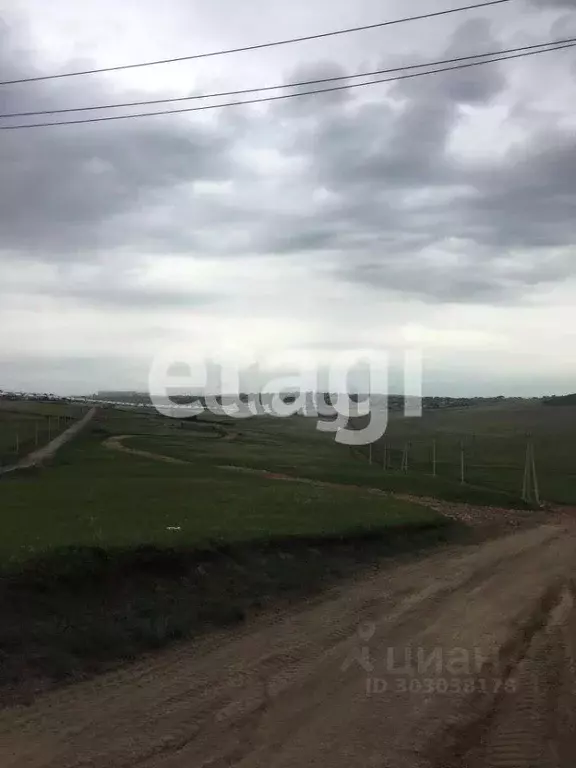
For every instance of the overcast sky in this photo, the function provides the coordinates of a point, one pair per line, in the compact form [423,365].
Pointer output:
[437,212]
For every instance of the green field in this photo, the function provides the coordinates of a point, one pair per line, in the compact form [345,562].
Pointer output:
[294,447]
[27,425]
[97,497]
[494,440]
[104,554]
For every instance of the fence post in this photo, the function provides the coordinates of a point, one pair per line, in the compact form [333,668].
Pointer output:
[370,453]
[530,483]
[462,479]
[405,458]
[526,470]
[49,428]
[534,476]
[384,457]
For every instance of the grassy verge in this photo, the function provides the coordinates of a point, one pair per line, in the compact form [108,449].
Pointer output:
[79,611]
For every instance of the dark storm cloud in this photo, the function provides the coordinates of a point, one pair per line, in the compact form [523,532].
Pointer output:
[398,191]
[369,186]
[528,200]
[382,143]
[70,188]
[473,275]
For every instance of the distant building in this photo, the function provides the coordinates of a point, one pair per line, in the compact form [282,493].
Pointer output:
[118,395]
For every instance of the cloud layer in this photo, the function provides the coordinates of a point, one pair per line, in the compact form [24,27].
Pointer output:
[450,189]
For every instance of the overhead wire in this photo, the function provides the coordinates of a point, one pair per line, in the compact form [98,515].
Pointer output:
[255,47]
[297,84]
[297,94]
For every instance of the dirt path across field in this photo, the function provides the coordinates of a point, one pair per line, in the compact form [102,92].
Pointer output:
[115,443]
[48,451]
[463,659]
[467,513]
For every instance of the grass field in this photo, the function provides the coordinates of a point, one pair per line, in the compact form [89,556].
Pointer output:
[494,440]
[26,425]
[97,497]
[294,447]
[104,554]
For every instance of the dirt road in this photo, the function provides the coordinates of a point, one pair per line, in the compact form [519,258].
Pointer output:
[463,658]
[115,443]
[48,451]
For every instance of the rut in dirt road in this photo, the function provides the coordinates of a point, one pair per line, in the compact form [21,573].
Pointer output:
[463,659]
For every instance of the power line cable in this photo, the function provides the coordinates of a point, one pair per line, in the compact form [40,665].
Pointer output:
[262,89]
[347,86]
[257,46]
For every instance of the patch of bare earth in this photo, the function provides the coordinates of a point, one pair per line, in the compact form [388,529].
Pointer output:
[464,658]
